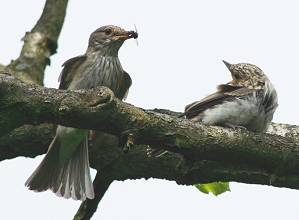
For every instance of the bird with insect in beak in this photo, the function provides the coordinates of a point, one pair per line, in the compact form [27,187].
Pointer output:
[248,101]
[65,168]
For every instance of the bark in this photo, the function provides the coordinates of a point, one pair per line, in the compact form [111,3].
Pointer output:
[89,206]
[39,44]
[27,141]
[99,109]
[200,153]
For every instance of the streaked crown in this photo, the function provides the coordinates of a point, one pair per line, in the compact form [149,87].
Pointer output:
[245,74]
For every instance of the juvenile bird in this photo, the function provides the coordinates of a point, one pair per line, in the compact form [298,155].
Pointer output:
[248,101]
[65,168]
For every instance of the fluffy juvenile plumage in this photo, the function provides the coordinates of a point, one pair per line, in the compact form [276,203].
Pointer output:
[249,101]
[65,168]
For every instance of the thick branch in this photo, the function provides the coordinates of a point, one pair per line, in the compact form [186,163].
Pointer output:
[40,43]
[28,141]
[136,165]
[209,153]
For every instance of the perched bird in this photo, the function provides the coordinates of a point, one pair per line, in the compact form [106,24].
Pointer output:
[248,101]
[65,168]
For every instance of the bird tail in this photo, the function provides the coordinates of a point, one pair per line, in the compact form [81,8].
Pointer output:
[69,179]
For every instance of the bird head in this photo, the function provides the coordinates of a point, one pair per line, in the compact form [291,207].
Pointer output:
[108,39]
[245,74]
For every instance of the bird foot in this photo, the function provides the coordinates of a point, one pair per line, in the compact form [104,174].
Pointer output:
[126,141]
[150,152]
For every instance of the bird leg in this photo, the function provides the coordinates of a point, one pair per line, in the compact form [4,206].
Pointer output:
[126,140]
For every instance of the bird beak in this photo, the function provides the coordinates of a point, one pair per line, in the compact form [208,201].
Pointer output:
[230,67]
[126,35]
[227,64]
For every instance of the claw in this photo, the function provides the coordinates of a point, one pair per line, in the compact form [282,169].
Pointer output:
[129,143]
[150,152]
[126,141]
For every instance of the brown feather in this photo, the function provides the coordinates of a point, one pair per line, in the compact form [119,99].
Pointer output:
[69,69]
[231,92]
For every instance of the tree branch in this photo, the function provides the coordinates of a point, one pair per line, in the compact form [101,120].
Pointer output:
[40,43]
[27,141]
[228,154]
[200,153]
[89,206]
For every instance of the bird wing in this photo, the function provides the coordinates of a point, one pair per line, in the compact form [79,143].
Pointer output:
[126,85]
[224,93]
[68,71]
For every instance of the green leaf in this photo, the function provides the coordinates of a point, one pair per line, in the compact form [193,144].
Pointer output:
[216,188]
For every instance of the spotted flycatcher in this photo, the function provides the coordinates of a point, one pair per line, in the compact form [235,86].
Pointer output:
[65,168]
[248,101]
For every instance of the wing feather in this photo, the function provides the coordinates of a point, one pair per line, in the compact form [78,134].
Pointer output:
[68,71]
[225,93]
[127,82]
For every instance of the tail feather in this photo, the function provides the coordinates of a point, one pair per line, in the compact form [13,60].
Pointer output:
[41,178]
[70,179]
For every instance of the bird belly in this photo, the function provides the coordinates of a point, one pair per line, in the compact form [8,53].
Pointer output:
[240,112]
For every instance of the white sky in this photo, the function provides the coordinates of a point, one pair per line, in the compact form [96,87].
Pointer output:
[178,60]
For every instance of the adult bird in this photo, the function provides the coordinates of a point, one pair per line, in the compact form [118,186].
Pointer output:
[65,168]
[248,101]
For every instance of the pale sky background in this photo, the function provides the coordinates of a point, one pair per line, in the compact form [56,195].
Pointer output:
[178,60]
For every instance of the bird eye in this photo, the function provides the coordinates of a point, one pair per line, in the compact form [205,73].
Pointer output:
[108,31]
